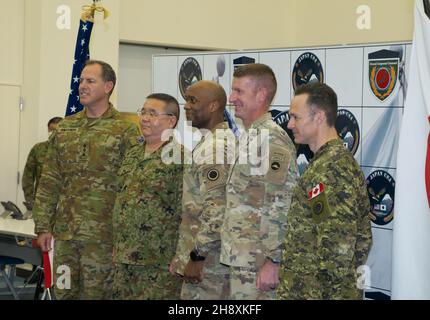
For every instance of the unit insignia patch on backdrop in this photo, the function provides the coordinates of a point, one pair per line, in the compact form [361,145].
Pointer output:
[189,73]
[241,61]
[282,118]
[383,72]
[348,130]
[380,187]
[307,68]
[303,153]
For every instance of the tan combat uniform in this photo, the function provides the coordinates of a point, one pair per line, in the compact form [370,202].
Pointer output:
[257,205]
[203,212]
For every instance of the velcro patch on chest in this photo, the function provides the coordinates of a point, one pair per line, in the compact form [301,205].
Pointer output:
[214,176]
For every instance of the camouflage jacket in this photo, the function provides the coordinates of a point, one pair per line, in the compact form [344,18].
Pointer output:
[258,200]
[33,170]
[328,230]
[147,210]
[203,201]
[77,189]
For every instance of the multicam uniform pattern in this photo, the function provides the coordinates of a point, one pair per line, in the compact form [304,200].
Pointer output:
[257,206]
[203,203]
[33,171]
[76,194]
[146,219]
[329,236]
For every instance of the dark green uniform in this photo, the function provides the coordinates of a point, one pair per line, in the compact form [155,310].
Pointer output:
[328,229]
[75,198]
[33,171]
[147,215]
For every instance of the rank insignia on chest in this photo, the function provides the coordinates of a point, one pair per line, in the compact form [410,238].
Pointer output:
[318,202]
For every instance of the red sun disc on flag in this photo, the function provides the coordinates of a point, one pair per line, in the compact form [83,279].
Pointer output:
[382,78]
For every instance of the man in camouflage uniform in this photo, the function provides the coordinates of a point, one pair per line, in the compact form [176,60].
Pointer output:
[204,197]
[77,190]
[258,190]
[328,228]
[33,166]
[147,210]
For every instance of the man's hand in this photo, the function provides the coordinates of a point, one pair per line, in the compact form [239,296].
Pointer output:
[173,266]
[194,271]
[44,240]
[268,278]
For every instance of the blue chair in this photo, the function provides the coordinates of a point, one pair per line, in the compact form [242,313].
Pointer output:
[9,277]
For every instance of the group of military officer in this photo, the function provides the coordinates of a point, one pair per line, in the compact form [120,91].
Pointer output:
[131,225]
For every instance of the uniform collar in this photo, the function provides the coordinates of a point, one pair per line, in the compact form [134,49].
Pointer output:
[221,125]
[334,143]
[265,117]
[109,113]
[157,153]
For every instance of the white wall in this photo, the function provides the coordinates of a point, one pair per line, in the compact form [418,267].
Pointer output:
[135,74]
[11,78]
[250,24]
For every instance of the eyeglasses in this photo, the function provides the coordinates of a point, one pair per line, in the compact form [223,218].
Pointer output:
[151,113]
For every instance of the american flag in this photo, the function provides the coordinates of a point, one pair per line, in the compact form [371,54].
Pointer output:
[82,54]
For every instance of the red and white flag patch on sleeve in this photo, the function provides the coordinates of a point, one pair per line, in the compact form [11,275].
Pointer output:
[318,189]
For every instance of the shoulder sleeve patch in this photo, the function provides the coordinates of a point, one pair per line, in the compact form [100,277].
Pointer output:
[320,207]
[279,159]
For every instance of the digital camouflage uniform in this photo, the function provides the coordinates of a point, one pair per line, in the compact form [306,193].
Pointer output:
[203,211]
[328,236]
[75,198]
[257,206]
[33,170]
[146,219]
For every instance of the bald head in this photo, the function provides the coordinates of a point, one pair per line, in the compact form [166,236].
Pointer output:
[206,101]
[213,91]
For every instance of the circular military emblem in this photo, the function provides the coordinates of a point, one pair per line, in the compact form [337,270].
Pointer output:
[189,73]
[307,69]
[348,130]
[380,188]
[384,67]
[318,207]
[282,118]
[383,79]
[213,174]
[275,165]
[304,154]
